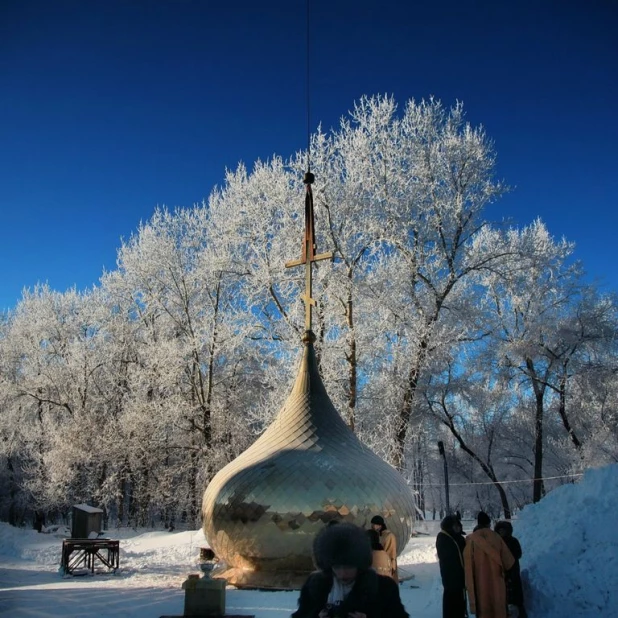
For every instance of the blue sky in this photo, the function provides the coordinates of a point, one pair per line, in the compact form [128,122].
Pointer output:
[109,108]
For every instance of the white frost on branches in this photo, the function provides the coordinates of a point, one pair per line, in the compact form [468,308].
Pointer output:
[432,323]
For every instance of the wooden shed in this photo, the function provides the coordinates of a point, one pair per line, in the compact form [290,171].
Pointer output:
[86,520]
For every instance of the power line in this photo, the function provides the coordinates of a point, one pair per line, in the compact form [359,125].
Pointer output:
[545,478]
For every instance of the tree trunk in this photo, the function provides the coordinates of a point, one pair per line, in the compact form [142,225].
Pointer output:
[538,489]
[12,492]
[123,497]
[351,357]
[418,475]
[407,405]
[193,509]
[486,467]
[131,502]
[144,496]
[563,414]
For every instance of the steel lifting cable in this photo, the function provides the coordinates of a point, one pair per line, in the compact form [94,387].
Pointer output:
[309,177]
[308,101]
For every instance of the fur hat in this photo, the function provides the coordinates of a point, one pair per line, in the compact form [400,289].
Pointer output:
[342,545]
[379,521]
[448,522]
[483,519]
[507,526]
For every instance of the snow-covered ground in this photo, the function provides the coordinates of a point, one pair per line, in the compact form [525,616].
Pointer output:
[570,543]
[153,566]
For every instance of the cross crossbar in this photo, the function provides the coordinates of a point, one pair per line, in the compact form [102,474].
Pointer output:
[308,252]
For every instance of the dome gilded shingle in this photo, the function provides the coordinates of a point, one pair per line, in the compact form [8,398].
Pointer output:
[262,511]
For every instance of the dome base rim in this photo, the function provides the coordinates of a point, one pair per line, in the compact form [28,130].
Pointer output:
[249,579]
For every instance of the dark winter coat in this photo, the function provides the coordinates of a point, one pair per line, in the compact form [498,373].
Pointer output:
[375,595]
[450,547]
[514,591]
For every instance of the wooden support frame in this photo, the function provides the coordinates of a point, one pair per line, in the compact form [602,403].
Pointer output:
[85,553]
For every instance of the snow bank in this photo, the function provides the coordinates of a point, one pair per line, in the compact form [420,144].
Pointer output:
[153,565]
[570,544]
[570,564]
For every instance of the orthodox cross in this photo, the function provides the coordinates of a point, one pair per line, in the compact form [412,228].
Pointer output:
[308,254]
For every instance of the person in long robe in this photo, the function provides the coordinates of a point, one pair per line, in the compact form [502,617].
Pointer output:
[486,560]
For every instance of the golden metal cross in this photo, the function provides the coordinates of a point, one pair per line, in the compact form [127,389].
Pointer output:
[308,254]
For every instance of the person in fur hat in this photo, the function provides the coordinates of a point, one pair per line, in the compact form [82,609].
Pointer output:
[345,586]
[514,589]
[381,563]
[486,560]
[388,541]
[450,544]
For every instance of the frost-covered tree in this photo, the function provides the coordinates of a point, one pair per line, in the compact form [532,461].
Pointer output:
[178,283]
[55,407]
[433,177]
[431,324]
[528,304]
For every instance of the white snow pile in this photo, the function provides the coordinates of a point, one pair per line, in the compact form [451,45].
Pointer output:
[570,565]
[153,565]
[570,545]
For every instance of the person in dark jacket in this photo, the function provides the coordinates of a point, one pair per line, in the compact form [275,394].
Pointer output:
[346,586]
[388,542]
[450,545]
[381,563]
[514,589]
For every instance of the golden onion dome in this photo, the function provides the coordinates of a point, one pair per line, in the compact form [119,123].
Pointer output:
[262,511]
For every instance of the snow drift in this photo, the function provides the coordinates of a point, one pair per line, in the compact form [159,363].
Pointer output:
[570,566]
[570,544]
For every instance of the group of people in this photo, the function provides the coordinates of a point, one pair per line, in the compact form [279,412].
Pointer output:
[484,564]
[357,576]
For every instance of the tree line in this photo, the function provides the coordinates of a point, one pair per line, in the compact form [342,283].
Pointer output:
[436,321]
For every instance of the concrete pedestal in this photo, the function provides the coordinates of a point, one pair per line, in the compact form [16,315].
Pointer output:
[204,596]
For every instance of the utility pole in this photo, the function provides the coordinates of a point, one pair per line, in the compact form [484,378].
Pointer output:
[441,449]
